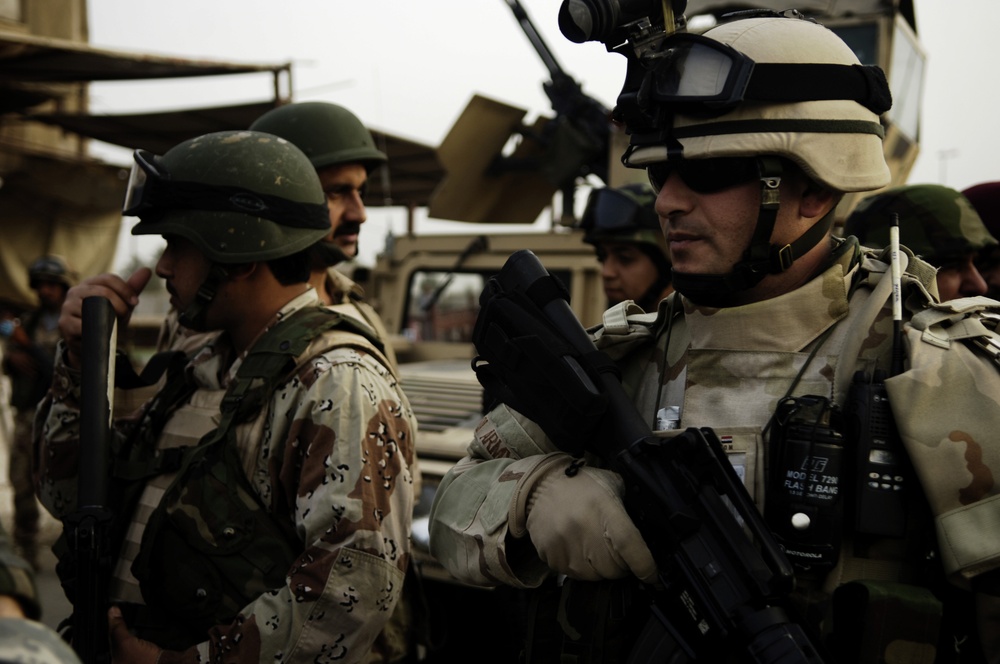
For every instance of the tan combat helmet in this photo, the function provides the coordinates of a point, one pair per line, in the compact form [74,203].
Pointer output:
[772,87]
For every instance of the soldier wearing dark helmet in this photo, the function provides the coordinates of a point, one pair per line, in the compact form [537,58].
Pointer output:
[29,348]
[985,198]
[290,540]
[342,151]
[779,338]
[936,223]
[625,231]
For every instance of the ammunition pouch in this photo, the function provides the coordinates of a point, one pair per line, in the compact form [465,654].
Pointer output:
[210,548]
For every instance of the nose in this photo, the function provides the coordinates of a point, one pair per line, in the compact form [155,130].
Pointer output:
[673,198]
[972,282]
[355,208]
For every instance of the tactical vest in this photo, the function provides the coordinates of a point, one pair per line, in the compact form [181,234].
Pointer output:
[877,591]
[211,546]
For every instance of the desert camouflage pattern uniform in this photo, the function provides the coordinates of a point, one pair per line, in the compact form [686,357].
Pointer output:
[727,369]
[17,579]
[331,453]
[29,642]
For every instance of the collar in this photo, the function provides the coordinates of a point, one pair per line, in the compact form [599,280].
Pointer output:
[787,323]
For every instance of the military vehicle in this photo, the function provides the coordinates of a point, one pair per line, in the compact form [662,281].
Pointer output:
[426,288]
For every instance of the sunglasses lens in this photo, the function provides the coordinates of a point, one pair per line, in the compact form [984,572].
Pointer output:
[705,176]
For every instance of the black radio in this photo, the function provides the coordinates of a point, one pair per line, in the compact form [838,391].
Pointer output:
[804,505]
[881,472]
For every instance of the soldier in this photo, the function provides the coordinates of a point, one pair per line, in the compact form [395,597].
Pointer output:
[985,197]
[625,231]
[770,310]
[936,223]
[266,491]
[343,153]
[28,361]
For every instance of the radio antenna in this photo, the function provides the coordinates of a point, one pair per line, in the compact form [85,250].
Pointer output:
[897,297]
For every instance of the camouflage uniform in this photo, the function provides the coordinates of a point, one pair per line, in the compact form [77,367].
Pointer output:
[27,642]
[17,579]
[330,455]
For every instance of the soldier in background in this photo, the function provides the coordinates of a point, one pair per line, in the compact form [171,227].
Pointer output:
[768,307]
[28,360]
[985,197]
[625,231]
[266,494]
[936,223]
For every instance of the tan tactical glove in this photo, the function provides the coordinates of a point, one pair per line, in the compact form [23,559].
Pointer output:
[578,523]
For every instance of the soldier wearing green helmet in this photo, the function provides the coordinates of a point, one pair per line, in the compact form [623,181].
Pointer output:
[936,223]
[625,231]
[257,489]
[780,339]
[342,151]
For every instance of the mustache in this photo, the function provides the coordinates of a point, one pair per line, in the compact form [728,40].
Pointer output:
[347,228]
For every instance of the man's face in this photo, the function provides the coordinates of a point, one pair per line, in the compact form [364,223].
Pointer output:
[707,233]
[627,271]
[184,268]
[988,264]
[50,294]
[344,186]
[960,278]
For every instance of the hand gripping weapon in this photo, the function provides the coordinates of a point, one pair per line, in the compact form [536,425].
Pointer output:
[722,573]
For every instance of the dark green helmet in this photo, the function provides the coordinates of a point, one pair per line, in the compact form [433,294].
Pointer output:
[330,135]
[51,268]
[623,214]
[935,222]
[239,196]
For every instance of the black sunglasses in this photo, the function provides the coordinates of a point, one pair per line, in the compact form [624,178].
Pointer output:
[705,176]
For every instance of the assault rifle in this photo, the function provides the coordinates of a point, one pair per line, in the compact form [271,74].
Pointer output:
[88,528]
[722,573]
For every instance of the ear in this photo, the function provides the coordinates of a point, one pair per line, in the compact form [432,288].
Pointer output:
[242,271]
[816,201]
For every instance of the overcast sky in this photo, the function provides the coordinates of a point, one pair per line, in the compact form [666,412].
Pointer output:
[409,68]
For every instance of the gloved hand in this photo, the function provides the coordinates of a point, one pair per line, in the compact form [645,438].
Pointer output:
[578,523]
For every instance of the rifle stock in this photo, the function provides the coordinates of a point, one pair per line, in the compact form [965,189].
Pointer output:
[89,526]
[722,576]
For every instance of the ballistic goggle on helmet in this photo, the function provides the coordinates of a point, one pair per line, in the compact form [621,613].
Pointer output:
[239,196]
[786,87]
[623,214]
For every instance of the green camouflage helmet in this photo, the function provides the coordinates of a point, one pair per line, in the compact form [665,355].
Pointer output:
[330,135]
[239,196]
[935,222]
[623,214]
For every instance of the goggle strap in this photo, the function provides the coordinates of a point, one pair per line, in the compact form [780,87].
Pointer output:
[791,82]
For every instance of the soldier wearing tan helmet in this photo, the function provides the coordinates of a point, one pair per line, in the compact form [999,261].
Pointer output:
[751,133]
[936,223]
[263,496]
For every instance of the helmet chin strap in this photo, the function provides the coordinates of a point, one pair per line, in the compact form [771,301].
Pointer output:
[761,257]
[195,316]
